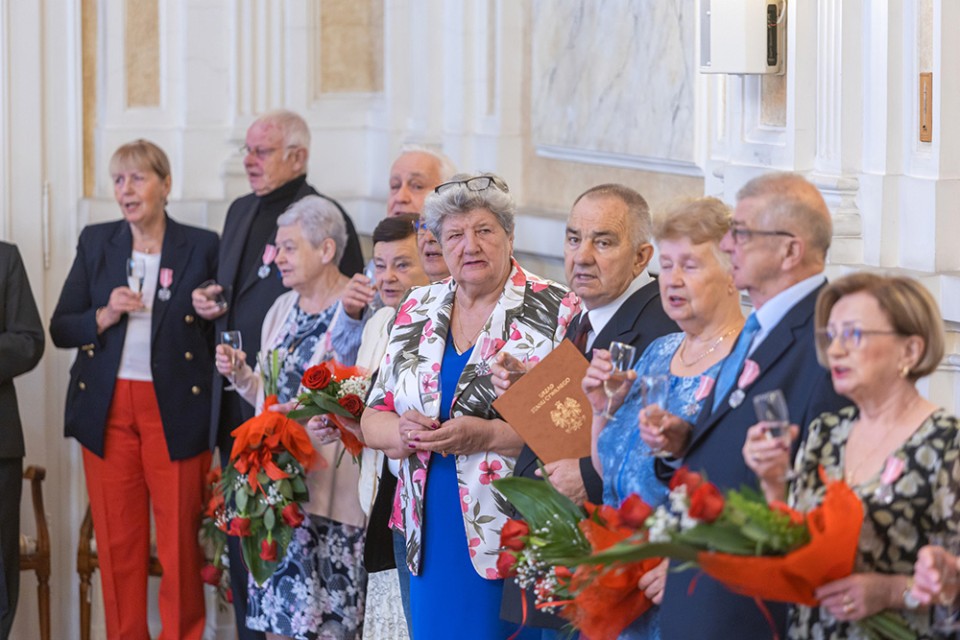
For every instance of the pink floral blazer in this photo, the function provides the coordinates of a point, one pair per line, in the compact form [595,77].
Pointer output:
[529,320]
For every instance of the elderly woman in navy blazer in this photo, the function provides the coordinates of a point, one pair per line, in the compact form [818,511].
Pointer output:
[139,394]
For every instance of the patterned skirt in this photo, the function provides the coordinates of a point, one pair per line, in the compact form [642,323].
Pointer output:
[318,590]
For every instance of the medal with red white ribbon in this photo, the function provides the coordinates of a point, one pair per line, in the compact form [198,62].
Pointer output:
[166,279]
[269,254]
[750,372]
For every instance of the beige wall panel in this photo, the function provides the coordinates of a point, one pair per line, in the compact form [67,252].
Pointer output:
[351,46]
[142,52]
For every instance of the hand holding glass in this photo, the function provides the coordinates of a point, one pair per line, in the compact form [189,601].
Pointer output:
[235,340]
[654,390]
[621,357]
[771,408]
[220,298]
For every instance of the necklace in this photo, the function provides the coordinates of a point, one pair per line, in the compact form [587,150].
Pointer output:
[713,347]
[471,340]
[849,475]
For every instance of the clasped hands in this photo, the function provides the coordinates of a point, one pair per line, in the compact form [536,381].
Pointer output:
[463,435]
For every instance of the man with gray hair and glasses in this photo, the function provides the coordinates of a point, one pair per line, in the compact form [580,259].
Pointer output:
[276,153]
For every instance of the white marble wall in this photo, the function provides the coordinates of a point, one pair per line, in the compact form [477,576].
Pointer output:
[614,78]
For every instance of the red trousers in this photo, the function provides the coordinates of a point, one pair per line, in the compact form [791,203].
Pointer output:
[135,473]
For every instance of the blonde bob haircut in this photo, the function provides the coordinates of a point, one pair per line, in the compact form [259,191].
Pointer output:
[140,155]
[906,303]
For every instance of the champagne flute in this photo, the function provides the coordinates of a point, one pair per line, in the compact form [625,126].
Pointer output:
[946,616]
[429,386]
[771,408]
[654,390]
[235,340]
[136,273]
[621,357]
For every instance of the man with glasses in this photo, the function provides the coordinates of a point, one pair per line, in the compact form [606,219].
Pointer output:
[276,153]
[777,246]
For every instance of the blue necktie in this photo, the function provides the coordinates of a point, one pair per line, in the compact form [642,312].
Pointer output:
[733,364]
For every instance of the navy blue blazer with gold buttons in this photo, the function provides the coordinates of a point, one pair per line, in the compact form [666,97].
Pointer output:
[181,343]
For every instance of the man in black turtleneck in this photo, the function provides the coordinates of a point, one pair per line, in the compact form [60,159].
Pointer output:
[276,152]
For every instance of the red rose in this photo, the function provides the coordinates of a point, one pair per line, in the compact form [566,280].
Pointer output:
[211,574]
[316,377]
[507,564]
[706,503]
[292,515]
[511,533]
[690,479]
[634,511]
[239,527]
[795,516]
[268,550]
[229,595]
[352,403]
[563,573]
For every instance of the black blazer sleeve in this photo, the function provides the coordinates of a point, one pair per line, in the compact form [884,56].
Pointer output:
[21,331]
[74,322]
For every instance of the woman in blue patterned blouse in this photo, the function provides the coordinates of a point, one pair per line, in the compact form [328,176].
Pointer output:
[696,288]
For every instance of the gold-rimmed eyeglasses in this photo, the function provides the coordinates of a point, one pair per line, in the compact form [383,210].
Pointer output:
[850,336]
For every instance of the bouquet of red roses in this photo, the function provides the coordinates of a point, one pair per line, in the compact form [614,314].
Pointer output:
[767,551]
[258,499]
[333,390]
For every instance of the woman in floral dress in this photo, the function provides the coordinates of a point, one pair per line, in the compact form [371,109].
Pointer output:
[443,339]
[896,449]
[319,587]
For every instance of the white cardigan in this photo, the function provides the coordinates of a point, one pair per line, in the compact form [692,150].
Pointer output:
[373,344]
[333,490]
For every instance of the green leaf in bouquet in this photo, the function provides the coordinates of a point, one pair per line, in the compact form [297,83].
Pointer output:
[285,489]
[299,486]
[269,519]
[260,569]
[551,516]
[326,404]
[718,536]
[262,477]
[259,507]
[634,550]
[241,499]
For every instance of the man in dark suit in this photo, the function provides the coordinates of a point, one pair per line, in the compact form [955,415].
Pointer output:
[606,252]
[21,346]
[777,245]
[277,150]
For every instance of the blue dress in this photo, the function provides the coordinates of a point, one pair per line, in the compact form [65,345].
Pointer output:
[626,459]
[449,599]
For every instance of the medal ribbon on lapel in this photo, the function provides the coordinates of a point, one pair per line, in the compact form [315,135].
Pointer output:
[166,279]
[269,255]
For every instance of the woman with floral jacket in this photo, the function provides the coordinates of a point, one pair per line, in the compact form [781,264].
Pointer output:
[443,340]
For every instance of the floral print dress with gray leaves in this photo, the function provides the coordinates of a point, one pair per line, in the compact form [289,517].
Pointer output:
[899,517]
[529,321]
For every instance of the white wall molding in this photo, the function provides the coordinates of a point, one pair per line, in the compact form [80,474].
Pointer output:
[622,160]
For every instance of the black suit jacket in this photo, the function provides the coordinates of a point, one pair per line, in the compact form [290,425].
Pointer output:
[639,321]
[253,296]
[181,345]
[21,345]
[788,361]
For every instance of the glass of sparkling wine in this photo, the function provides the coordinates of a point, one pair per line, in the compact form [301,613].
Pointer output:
[621,357]
[136,273]
[654,390]
[235,340]
[946,614]
[771,408]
